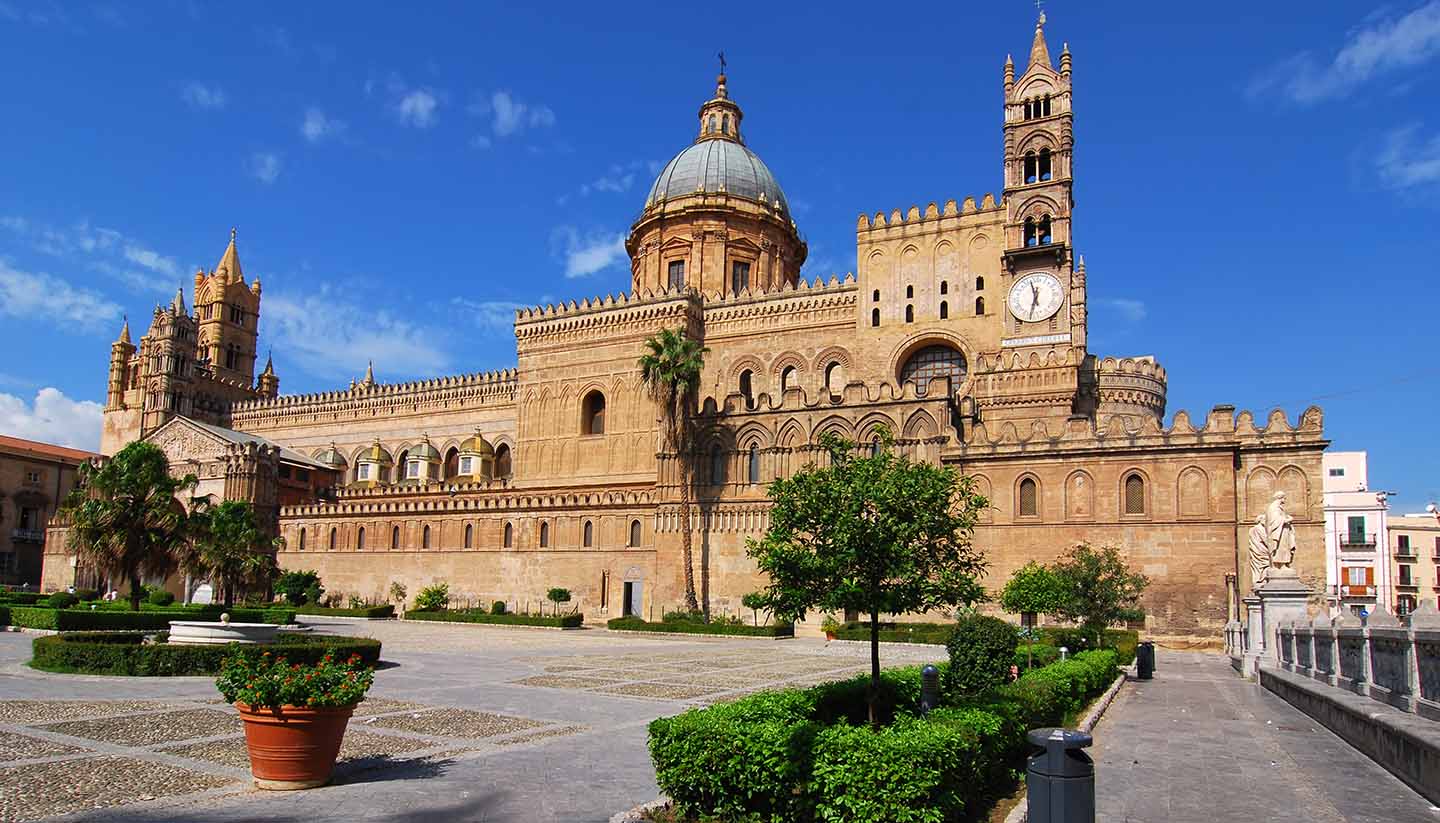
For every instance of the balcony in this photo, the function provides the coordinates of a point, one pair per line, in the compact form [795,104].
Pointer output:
[1357,541]
[1357,591]
[28,535]
[1407,552]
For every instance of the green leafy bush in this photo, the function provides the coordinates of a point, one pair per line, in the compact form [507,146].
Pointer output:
[62,600]
[21,598]
[85,619]
[271,680]
[86,595]
[125,653]
[636,624]
[564,621]
[982,650]
[386,610]
[1124,642]
[683,617]
[498,607]
[433,597]
[558,595]
[294,585]
[1036,655]
[932,633]
[159,597]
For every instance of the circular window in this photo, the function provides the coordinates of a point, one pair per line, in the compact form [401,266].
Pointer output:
[931,362]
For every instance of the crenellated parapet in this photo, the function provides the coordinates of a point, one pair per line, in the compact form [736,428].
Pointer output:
[636,313]
[915,218]
[476,390]
[450,498]
[1079,434]
[805,303]
[1130,385]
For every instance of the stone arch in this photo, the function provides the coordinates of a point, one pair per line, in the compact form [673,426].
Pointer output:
[1259,486]
[1291,480]
[869,427]
[1029,497]
[1192,491]
[752,433]
[786,360]
[1079,496]
[985,489]
[1146,490]
[836,425]
[901,352]
[792,434]
[920,426]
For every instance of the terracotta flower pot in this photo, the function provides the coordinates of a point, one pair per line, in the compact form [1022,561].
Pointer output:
[829,635]
[293,747]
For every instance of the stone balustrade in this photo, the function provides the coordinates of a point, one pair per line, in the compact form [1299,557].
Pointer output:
[1393,660]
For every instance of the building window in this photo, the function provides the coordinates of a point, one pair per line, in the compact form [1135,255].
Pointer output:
[502,460]
[1030,232]
[739,277]
[634,533]
[466,463]
[875,296]
[302,540]
[874,317]
[1337,472]
[787,379]
[394,538]
[944,310]
[32,477]
[979,284]
[1029,167]
[717,466]
[412,469]
[360,540]
[1045,238]
[1044,164]
[1029,498]
[1134,494]
[909,292]
[425,538]
[1406,575]
[746,388]
[677,274]
[509,536]
[1355,531]
[944,287]
[834,378]
[593,415]
[932,362]
[362,471]
[1357,576]
[332,538]
[232,356]
[710,124]
[909,314]
[544,535]
[753,465]
[589,539]
[1402,545]
[469,536]
[979,306]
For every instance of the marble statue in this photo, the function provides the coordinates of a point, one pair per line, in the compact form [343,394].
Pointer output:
[1259,552]
[1280,531]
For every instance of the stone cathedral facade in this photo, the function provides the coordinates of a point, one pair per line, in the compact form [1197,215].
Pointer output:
[963,331]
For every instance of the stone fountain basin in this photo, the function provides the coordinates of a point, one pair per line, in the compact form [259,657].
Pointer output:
[202,633]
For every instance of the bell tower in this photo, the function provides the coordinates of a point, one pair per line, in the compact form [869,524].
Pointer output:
[229,313]
[1046,309]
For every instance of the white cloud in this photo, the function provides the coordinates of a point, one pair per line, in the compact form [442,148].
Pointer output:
[494,316]
[1408,159]
[152,260]
[39,296]
[53,418]
[588,255]
[418,108]
[264,166]
[1382,45]
[619,178]
[327,335]
[315,126]
[1131,310]
[480,141]
[510,116]
[106,251]
[200,96]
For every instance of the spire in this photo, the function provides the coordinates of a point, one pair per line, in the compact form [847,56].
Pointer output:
[1009,73]
[269,365]
[369,374]
[1039,52]
[178,304]
[1065,61]
[124,332]
[230,261]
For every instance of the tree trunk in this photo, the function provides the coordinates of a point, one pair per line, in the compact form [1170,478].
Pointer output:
[874,696]
[686,549]
[136,592]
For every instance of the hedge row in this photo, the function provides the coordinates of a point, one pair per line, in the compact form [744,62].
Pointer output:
[365,611]
[1123,641]
[564,621]
[21,598]
[808,755]
[636,624]
[126,653]
[83,619]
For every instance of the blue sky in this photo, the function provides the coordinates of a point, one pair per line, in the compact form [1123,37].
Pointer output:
[1257,184]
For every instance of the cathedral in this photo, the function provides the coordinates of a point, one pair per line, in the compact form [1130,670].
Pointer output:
[963,332]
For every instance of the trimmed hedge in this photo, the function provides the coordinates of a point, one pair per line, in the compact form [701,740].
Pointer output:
[1123,641]
[564,621]
[83,619]
[636,624]
[364,611]
[22,598]
[126,653]
[807,755]
[934,633]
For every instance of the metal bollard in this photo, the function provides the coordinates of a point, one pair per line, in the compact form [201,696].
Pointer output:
[929,689]
[1060,779]
[1145,660]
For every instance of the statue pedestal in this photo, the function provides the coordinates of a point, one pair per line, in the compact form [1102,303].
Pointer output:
[1254,636]
[1282,600]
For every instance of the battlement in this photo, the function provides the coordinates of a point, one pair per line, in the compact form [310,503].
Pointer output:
[798,399]
[914,215]
[1222,427]
[495,495]
[474,388]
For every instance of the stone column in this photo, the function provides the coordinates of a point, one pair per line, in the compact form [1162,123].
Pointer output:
[1254,635]
[1282,600]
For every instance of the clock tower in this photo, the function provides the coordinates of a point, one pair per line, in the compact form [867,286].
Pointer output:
[1044,297]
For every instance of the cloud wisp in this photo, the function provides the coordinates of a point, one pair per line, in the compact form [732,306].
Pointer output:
[316,126]
[1129,309]
[1408,159]
[201,97]
[40,296]
[493,317]
[510,116]
[618,179]
[107,251]
[584,256]
[329,337]
[53,418]
[264,166]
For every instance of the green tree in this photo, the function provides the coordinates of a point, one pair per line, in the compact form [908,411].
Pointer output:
[670,371]
[1099,589]
[1033,589]
[754,601]
[296,586]
[558,596]
[877,534]
[230,549]
[125,518]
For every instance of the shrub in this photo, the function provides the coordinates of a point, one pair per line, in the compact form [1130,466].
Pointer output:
[564,621]
[397,592]
[62,600]
[1035,656]
[558,596]
[912,771]
[126,653]
[86,595]
[682,617]
[498,607]
[432,598]
[266,681]
[982,650]
[636,624]
[32,617]
[294,586]
[159,597]
[386,610]
[933,633]
[313,593]
[22,598]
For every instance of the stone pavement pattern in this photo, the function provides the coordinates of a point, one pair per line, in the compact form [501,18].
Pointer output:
[472,723]
[1198,744]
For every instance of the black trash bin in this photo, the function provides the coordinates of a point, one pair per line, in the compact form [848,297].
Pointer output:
[1145,660]
[1060,778]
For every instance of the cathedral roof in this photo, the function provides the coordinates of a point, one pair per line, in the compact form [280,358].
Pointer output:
[230,260]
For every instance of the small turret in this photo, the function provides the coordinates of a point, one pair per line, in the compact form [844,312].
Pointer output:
[720,116]
[1009,74]
[178,304]
[124,338]
[269,383]
[1065,62]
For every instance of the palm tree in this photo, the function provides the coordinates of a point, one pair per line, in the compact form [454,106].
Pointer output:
[230,549]
[123,516]
[670,370]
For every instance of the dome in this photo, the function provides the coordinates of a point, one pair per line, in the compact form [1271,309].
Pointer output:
[331,457]
[716,166]
[376,454]
[477,445]
[424,451]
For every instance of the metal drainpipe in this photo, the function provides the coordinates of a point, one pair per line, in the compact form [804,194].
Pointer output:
[1235,498]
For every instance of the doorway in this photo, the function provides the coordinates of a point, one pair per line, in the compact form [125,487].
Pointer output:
[634,594]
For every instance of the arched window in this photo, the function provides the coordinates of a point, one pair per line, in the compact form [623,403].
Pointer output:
[932,362]
[746,388]
[1044,164]
[717,465]
[944,287]
[753,473]
[589,536]
[725,124]
[634,532]
[787,379]
[909,292]
[509,540]
[1030,231]
[710,126]
[1045,108]
[944,310]
[1029,502]
[544,535]
[502,461]
[593,414]
[394,537]
[332,538]
[1045,230]
[1027,109]
[425,538]
[874,317]
[875,296]
[677,274]
[1029,167]
[979,306]
[469,536]
[980,284]
[360,540]
[834,377]
[452,463]
[1134,494]
[909,314]
[302,540]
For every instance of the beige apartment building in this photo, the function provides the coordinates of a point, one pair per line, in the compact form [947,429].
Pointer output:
[34,480]
[963,331]
[1415,545]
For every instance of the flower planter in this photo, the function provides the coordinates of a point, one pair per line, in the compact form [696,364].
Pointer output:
[293,747]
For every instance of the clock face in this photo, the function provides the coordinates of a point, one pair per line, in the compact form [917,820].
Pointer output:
[1036,296]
